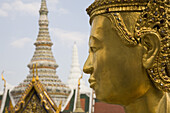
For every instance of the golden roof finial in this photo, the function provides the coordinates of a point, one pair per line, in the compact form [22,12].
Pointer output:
[3,78]
[33,78]
[80,79]
[37,78]
[59,108]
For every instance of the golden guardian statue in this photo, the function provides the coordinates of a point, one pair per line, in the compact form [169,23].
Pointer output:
[129,54]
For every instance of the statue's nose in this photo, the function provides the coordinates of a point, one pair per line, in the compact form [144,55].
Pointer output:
[88,68]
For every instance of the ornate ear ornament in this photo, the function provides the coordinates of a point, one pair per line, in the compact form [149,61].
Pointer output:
[155,18]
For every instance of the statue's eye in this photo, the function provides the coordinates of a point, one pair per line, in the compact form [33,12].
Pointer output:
[93,49]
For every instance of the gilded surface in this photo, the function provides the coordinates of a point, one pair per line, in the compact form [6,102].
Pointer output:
[34,106]
[129,54]
[35,99]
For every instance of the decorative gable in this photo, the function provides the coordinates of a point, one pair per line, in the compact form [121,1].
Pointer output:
[35,99]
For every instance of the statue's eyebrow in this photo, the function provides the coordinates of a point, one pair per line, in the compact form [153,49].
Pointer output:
[94,40]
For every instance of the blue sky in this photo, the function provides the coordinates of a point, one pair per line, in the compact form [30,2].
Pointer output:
[68,22]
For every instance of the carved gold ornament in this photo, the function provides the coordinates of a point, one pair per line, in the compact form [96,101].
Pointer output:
[155,19]
[105,6]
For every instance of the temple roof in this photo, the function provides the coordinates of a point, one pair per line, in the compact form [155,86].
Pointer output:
[6,100]
[36,96]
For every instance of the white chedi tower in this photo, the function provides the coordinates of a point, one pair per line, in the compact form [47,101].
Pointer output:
[46,64]
[75,73]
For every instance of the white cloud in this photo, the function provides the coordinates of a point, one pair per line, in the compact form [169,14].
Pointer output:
[68,37]
[6,6]
[21,42]
[18,6]
[31,8]
[3,13]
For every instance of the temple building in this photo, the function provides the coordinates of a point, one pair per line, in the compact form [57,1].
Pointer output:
[6,100]
[46,92]
[35,98]
[46,64]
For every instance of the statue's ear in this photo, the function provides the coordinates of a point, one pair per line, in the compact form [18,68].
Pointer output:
[151,44]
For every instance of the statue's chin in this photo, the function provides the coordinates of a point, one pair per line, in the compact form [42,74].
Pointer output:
[109,100]
[103,98]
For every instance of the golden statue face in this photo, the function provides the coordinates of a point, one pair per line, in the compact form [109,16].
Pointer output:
[117,74]
[128,58]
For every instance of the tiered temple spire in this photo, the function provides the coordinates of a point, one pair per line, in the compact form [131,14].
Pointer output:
[46,64]
[75,73]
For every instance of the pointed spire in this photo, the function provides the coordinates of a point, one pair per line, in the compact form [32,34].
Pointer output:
[78,103]
[75,60]
[46,64]
[75,72]
[43,14]
[43,8]
[43,43]
[43,36]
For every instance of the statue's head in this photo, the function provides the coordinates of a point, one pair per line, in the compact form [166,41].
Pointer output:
[128,49]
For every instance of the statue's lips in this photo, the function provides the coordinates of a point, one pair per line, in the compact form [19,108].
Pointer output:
[92,82]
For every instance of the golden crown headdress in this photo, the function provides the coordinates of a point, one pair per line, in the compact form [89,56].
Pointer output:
[105,6]
[154,18]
